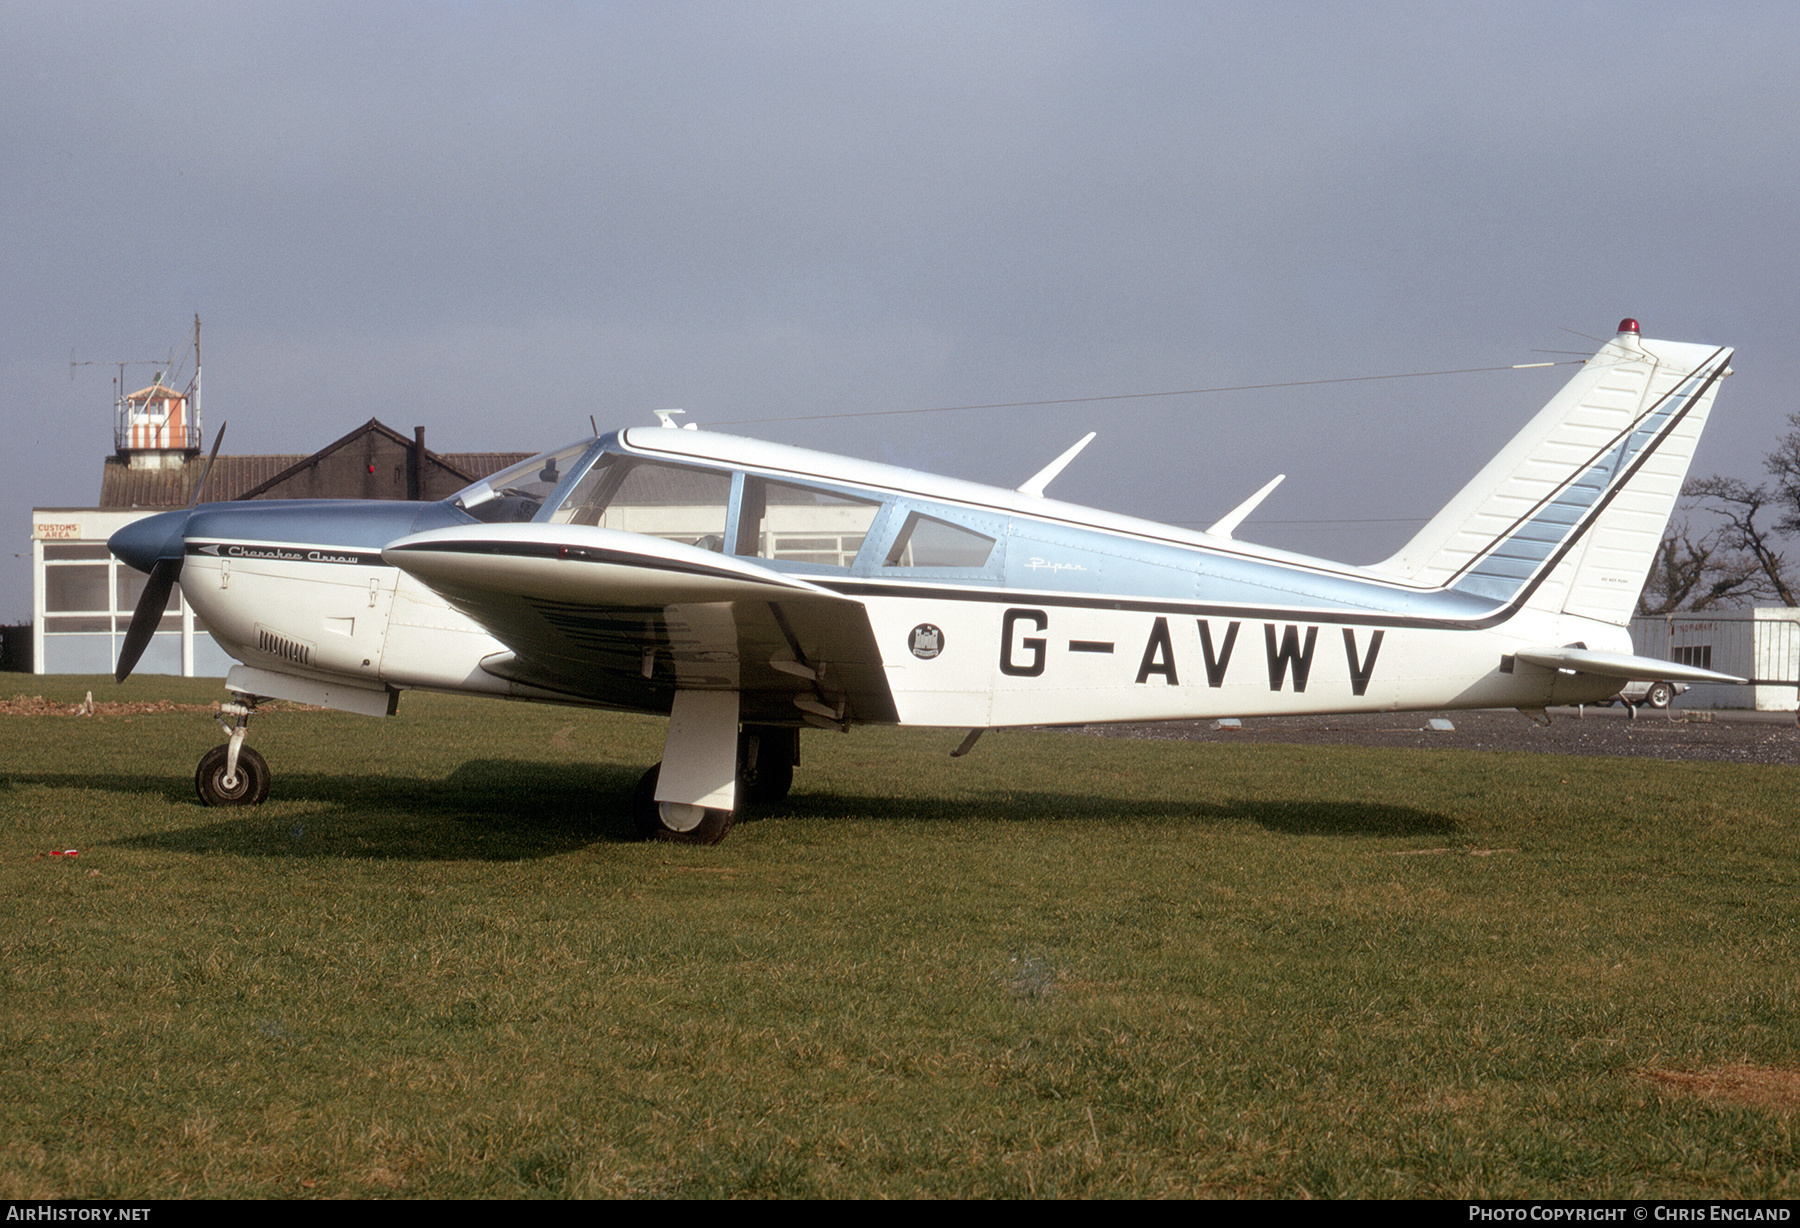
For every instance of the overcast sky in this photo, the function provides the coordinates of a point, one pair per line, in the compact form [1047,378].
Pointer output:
[494,220]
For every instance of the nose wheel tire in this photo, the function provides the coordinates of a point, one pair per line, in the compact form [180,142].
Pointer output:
[250,787]
[675,822]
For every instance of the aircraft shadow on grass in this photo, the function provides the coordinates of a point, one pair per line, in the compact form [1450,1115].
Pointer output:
[1288,817]
[505,810]
[493,810]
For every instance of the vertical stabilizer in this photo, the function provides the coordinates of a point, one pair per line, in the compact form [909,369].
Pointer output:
[1570,513]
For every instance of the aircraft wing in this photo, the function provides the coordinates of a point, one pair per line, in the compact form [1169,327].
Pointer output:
[1620,665]
[627,620]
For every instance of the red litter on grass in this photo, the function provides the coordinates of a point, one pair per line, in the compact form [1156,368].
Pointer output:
[62,852]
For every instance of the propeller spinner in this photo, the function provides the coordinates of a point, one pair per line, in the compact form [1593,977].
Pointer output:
[154,545]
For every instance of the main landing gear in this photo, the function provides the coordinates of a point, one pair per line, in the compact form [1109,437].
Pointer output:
[233,774]
[766,755]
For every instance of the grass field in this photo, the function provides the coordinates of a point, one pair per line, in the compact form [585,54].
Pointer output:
[435,965]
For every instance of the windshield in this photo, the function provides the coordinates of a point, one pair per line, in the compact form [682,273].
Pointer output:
[517,493]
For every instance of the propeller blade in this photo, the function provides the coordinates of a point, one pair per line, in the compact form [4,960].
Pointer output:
[207,472]
[148,614]
[136,544]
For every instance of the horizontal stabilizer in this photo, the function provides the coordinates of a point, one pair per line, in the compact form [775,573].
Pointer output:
[1620,665]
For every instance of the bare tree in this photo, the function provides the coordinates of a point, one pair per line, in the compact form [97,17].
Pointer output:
[1679,568]
[1784,465]
[1741,559]
[1743,563]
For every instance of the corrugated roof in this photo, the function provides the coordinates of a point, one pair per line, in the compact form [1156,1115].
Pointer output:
[233,477]
[479,464]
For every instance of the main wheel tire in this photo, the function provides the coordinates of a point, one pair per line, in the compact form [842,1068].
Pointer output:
[674,821]
[1660,695]
[766,755]
[250,788]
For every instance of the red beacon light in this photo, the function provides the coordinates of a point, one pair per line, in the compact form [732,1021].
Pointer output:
[1628,325]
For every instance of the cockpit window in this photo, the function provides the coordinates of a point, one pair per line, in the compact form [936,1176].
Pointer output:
[515,494]
[672,502]
[582,506]
[800,524]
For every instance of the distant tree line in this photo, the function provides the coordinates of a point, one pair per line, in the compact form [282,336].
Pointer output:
[1735,557]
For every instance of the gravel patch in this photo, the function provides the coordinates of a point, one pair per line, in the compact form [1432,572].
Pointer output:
[1720,737]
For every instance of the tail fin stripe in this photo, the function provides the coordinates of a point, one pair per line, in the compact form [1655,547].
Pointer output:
[1598,474]
[1672,417]
[1561,516]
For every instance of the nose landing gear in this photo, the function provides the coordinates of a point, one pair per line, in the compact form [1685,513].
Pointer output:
[233,774]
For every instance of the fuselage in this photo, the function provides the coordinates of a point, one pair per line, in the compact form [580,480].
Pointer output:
[989,607]
[746,589]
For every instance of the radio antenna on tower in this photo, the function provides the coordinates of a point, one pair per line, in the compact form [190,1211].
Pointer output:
[170,416]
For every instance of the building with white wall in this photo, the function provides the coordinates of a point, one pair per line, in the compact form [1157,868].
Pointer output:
[82,600]
[1760,644]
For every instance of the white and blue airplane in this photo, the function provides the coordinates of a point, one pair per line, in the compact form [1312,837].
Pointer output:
[747,590]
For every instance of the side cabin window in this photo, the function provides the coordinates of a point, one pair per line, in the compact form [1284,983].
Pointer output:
[800,524]
[926,541]
[672,502]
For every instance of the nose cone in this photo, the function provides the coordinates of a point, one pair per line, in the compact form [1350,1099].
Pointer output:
[142,542]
